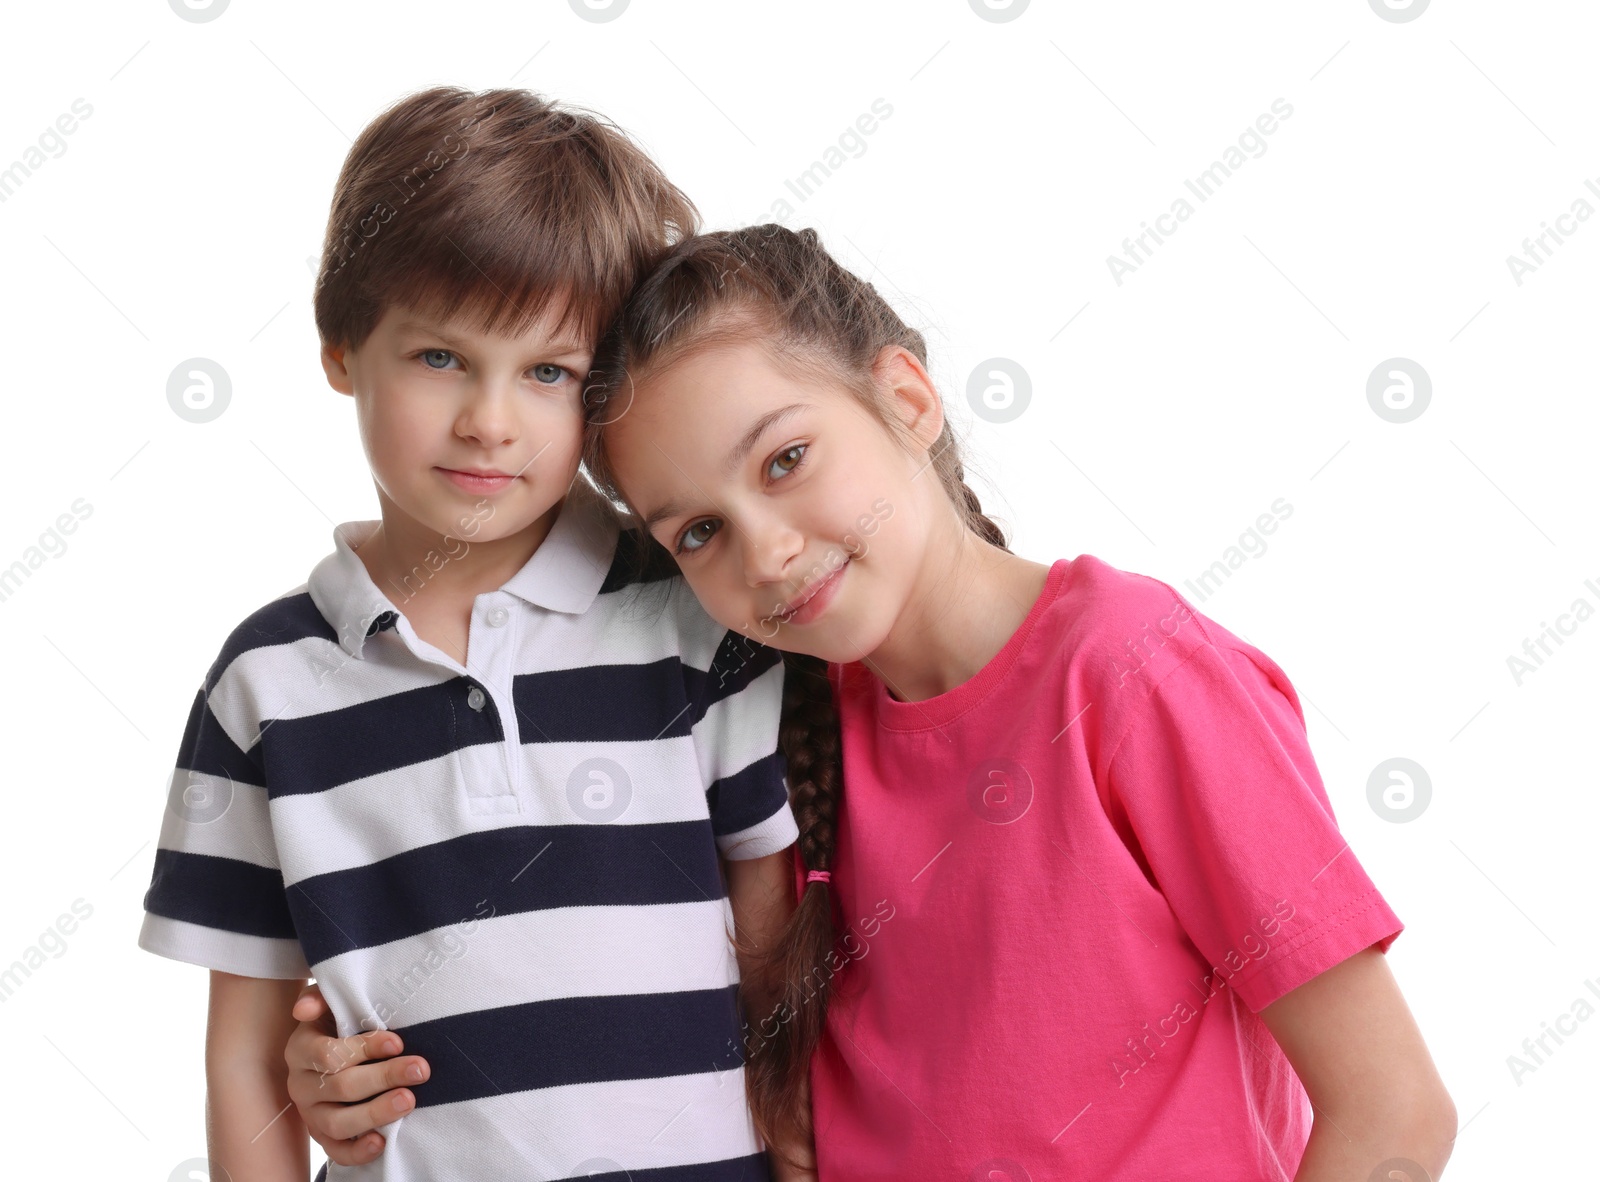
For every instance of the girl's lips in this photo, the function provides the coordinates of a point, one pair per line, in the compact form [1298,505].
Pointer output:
[816,601]
[477,484]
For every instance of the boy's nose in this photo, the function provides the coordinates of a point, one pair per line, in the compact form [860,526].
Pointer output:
[489,416]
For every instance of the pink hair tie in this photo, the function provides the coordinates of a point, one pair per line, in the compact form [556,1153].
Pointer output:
[818,876]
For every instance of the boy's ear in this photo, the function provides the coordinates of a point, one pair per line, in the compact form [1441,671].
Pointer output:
[911,392]
[333,365]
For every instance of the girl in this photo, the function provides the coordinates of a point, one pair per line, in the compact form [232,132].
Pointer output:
[1079,906]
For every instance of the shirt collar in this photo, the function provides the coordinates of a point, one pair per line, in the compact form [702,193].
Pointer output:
[564,575]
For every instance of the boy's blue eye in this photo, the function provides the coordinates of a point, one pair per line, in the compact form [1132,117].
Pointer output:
[698,541]
[549,374]
[443,356]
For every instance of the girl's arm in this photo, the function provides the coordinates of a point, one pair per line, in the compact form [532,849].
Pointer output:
[1373,1086]
[252,1130]
[761,892]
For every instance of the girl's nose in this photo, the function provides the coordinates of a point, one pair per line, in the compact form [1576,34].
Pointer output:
[769,552]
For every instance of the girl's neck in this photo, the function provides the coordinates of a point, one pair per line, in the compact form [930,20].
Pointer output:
[969,599]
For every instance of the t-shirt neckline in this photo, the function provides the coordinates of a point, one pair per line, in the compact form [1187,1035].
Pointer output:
[946,707]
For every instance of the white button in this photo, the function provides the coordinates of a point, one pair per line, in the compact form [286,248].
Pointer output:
[475,698]
[498,616]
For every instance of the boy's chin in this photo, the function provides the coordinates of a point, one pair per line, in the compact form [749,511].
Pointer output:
[487,518]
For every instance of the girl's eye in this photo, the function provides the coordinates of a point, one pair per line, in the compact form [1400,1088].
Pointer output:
[697,535]
[786,461]
[549,375]
[436,358]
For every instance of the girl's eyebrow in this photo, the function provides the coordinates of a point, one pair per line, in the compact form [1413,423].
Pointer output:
[756,431]
[655,518]
[735,457]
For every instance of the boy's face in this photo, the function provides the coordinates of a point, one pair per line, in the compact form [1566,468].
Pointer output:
[438,402]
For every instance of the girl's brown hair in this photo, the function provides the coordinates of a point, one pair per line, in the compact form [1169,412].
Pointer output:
[780,287]
[492,205]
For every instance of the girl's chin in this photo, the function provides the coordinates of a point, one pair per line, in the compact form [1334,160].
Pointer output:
[834,645]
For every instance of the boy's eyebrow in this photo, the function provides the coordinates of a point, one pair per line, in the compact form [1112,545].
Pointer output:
[433,330]
[735,457]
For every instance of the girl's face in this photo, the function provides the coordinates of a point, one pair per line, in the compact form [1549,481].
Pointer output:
[797,518]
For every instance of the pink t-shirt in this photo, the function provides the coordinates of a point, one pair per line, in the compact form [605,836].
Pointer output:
[1066,887]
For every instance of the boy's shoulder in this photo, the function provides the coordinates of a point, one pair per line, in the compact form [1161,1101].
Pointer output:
[287,619]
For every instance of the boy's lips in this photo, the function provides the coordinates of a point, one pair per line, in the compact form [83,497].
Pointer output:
[478,480]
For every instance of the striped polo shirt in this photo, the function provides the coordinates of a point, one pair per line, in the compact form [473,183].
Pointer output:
[513,865]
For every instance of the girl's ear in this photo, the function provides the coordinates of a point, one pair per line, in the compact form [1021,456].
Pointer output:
[912,396]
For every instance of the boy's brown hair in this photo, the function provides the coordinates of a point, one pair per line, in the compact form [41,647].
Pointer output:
[492,206]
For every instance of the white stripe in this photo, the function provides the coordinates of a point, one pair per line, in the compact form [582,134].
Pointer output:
[550,1132]
[777,832]
[308,677]
[481,964]
[231,952]
[379,816]
[243,831]
[741,728]
[630,626]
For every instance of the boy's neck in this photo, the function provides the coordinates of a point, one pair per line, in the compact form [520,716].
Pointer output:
[417,568]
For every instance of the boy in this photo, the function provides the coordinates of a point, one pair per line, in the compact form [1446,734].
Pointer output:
[463,775]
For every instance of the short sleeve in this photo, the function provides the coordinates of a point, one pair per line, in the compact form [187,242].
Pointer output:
[1215,780]
[736,737]
[216,896]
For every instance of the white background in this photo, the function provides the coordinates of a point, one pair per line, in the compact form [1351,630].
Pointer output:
[1167,413]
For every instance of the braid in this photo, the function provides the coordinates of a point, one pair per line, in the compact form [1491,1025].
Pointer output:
[796,969]
[809,737]
[985,527]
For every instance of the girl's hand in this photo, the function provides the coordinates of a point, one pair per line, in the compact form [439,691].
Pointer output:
[330,1077]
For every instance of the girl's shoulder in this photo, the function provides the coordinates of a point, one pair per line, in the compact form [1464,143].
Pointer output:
[1124,635]
[1113,604]
[1125,629]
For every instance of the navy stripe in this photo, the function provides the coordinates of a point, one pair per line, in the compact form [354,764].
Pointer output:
[283,621]
[494,872]
[604,703]
[738,662]
[734,1169]
[747,797]
[220,893]
[575,1040]
[322,751]
[208,749]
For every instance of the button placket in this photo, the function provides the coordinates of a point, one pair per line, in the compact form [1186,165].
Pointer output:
[491,655]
